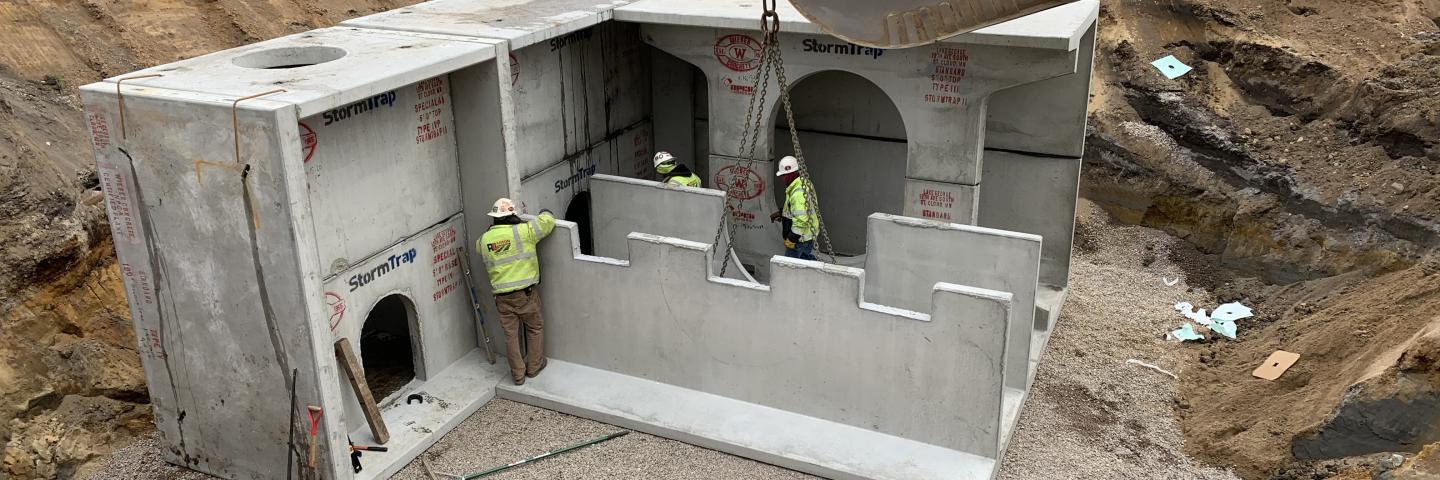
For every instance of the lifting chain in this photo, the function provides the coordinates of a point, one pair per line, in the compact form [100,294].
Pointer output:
[771,61]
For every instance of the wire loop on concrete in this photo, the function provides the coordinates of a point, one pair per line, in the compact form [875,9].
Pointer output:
[120,98]
[235,118]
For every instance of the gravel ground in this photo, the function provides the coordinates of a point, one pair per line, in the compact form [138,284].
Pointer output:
[1090,414]
[504,431]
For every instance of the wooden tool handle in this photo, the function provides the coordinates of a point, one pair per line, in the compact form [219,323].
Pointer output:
[312,451]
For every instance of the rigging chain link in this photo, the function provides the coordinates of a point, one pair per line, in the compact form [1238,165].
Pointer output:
[771,59]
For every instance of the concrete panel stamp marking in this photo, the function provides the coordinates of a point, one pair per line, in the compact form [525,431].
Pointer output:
[386,99]
[572,37]
[154,348]
[740,84]
[445,265]
[811,45]
[390,264]
[575,178]
[308,141]
[640,156]
[742,182]
[336,304]
[140,283]
[99,129]
[947,70]
[930,198]
[428,109]
[738,52]
[122,215]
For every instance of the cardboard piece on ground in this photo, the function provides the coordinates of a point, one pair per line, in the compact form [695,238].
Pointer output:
[1276,365]
[348,362]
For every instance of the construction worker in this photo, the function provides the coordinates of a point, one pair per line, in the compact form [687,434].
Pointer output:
[798,221]
[509,249]
[674,171]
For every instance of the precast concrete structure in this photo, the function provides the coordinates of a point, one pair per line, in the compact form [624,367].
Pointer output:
[270,200]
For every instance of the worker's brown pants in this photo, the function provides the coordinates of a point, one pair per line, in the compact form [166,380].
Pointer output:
[518,308]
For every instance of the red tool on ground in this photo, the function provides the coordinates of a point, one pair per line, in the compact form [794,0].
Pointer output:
[314,413]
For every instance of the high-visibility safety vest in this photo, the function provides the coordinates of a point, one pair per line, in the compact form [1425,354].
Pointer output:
[510,253]
[797,209]
[691,180]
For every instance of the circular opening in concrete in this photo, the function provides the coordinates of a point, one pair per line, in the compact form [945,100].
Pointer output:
[288,57]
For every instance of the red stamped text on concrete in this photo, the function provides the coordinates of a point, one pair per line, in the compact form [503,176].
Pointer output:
[947,70]
[429,110]
[738,52]
[99,129]
[740,182]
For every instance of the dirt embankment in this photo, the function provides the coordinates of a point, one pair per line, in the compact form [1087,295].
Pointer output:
[1302,155]
[71,387]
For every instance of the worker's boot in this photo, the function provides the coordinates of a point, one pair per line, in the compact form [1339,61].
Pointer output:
[520,381]
[543,362]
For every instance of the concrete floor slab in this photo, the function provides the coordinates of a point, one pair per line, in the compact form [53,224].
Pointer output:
[1059,28]
[450,398]
[769,435]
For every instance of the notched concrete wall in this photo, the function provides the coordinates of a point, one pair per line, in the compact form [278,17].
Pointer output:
[909,255]
[824,353]
[621,206]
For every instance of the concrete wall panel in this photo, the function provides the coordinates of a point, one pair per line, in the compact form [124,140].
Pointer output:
[1046,117]
[218,287]
[908,255]
[425,269]
[621,206]
[574,92]
[822,354]
[381,169]
[1035,195]
[552,188]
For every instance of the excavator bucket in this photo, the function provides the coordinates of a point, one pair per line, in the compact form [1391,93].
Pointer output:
[910,23]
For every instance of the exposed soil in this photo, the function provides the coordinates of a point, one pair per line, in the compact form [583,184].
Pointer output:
[1300,156]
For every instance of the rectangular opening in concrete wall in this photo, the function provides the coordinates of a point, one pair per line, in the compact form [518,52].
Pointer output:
[389,353]
[854,142]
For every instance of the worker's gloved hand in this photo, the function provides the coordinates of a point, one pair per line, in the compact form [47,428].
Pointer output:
[789,244]
[775,217]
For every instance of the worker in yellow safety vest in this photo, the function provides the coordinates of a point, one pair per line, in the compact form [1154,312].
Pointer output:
[799,222]
[509,248]
[674,171]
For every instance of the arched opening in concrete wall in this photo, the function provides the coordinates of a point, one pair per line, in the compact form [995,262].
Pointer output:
[855,149]
[389,346]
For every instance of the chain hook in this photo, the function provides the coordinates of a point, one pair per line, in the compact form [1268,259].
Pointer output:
[769,20]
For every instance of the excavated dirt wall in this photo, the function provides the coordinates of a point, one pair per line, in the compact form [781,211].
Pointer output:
[1300,154]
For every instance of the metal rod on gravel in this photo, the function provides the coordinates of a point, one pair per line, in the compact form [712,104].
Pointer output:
[551,453]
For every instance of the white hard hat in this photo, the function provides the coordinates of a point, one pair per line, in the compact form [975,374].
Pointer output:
[788,165]
[663,157]
[503,208]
